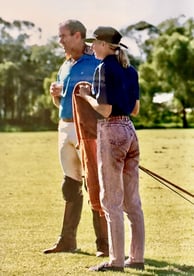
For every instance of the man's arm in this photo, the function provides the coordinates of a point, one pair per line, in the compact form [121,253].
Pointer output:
[55,91]
[56,101]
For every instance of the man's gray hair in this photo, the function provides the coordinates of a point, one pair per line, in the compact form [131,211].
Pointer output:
[74,26]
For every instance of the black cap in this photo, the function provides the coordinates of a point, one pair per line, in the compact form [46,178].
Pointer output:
[107,34]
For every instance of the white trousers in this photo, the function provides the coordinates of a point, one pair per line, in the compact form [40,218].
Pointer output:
[69,156]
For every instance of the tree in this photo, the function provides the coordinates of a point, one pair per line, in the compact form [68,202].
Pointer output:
[8,85]
[171,58]
[23,68]
[14,62]
[165,64]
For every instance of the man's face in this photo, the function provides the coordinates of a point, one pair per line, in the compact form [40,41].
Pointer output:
[66,39]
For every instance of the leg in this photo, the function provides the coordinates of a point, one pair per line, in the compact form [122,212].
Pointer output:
[89,161]
[71,188]
[72,193]
[100,228]
[111,188]
[69,156]
[90,169]
[132,206]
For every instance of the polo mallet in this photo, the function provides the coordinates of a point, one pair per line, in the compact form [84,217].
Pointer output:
[166,182]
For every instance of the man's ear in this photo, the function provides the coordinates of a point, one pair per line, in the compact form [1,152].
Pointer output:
[77,35]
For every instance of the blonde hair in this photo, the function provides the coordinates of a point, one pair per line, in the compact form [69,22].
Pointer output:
[121,54]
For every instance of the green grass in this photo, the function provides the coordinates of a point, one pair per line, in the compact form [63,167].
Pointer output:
[31,207]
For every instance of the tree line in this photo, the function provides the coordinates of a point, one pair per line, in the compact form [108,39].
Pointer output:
[165,64]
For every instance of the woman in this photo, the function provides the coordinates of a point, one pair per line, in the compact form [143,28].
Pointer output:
[115,95]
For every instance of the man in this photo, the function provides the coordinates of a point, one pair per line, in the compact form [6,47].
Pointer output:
[79,65]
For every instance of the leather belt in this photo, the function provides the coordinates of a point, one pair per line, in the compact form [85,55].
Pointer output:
[115,118]
[67,120]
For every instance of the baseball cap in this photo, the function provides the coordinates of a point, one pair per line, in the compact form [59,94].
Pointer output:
[107,34]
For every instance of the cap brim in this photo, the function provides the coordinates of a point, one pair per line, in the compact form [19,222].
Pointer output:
[123,45]
[90,40]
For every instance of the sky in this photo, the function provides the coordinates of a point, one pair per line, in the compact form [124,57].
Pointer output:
[47,14]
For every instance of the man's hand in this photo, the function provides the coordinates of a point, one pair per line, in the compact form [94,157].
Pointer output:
[56,89]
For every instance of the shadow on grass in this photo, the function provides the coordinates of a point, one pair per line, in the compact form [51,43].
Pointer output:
[156,267]
[164,268]
[79,251]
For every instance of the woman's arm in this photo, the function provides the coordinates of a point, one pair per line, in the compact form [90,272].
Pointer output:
[136,108]
[104,109]
[85,93]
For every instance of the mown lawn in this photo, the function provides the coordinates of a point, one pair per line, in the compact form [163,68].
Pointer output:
[31,207]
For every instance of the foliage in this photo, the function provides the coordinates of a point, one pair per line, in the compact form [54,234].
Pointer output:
[165,64]
[23,68]
[169,67]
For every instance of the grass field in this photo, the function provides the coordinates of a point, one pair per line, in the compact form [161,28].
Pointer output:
[31,207]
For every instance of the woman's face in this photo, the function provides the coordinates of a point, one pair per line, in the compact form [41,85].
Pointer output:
[98,48]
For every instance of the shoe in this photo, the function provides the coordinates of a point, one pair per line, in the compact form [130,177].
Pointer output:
[102,254]
[137,266]
[106,267]
[59,247]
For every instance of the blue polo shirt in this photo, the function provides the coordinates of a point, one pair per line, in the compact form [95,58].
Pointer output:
[116,86]
[69,74]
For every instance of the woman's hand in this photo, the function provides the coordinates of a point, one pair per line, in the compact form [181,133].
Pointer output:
[84,90]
